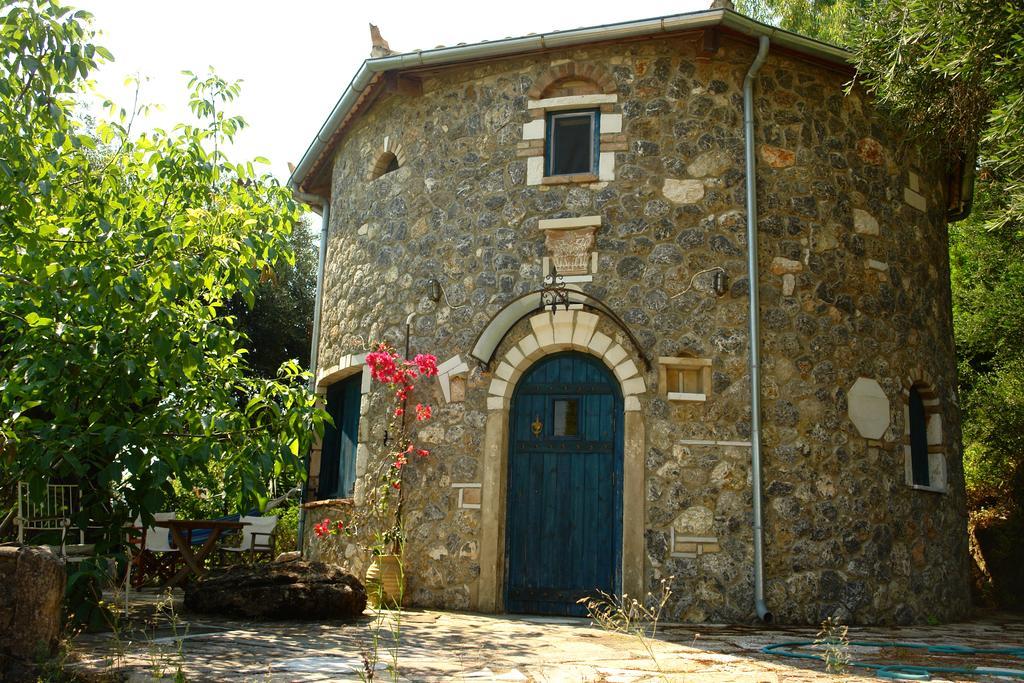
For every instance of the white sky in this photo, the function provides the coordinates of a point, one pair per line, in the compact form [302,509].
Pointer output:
[296,58]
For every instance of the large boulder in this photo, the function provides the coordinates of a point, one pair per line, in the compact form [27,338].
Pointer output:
[32,583]
[279,590]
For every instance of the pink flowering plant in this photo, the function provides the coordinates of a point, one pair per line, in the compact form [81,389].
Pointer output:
[383,484]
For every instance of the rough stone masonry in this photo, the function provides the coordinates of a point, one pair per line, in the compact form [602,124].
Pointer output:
[854,293]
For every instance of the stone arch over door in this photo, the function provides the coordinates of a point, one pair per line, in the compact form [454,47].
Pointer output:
[553,333]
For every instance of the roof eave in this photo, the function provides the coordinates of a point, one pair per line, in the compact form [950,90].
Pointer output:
[370,68]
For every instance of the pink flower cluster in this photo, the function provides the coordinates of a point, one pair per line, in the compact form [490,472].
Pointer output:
[387,367]
[328,528]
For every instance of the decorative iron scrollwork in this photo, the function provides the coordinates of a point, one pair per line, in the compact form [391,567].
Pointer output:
[554,293]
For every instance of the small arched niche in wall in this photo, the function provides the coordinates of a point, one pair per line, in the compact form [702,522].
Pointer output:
[390,158]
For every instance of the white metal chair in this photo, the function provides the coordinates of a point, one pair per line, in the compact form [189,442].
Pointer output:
[258,538]
[53,513]
[153,553]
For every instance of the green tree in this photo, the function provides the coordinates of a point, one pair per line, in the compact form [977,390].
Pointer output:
[118,368]
[279,325]
[832,21]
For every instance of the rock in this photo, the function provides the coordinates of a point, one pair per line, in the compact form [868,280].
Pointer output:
[683,191]
[290,590]
[288,556]
[781,266]
[695,521]
[776,157]
[864,223]
[32,582]
[870,151]
[712,163]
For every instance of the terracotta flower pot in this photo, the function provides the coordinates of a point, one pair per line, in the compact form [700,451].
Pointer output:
[385,581]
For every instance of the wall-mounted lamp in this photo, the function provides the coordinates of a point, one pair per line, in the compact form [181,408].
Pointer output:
[720,282]
[434,290]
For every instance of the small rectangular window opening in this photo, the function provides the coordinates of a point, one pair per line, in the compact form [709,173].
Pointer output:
[565,417]
[572,140]
[918,439]
[685,380]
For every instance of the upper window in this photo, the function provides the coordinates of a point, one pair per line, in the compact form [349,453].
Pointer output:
[573,139]
[918,439]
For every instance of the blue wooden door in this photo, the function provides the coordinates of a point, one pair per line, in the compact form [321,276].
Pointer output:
[564,519]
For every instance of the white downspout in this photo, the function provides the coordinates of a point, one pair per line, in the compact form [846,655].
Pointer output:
[755,353]
[314,348]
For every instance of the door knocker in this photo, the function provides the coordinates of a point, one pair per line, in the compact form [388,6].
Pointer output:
[537,426]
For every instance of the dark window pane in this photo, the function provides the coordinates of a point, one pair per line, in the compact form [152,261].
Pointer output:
[918,439]
[392,165]
[572,144]
[565,418]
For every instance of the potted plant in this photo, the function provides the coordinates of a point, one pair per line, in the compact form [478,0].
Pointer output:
[380,516]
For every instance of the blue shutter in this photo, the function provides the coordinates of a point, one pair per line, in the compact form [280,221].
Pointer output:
[338,452]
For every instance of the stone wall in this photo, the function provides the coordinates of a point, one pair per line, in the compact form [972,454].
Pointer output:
[854,283]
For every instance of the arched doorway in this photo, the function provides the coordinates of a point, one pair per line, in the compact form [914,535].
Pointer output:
[563,536]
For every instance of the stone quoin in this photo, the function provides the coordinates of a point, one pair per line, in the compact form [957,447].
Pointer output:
[457,180]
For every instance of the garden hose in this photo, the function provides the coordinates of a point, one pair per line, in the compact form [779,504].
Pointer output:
[908,672]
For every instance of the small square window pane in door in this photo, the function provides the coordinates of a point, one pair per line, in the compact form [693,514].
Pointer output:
[572,144]
[565,417]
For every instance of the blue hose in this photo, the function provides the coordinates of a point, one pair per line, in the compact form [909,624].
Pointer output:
[906,672]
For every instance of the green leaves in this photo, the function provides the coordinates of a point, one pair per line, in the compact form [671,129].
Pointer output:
[35,320]
[953,73]
[119,255]
[831,21]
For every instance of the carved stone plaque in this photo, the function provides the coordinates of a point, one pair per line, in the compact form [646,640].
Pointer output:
[570,250]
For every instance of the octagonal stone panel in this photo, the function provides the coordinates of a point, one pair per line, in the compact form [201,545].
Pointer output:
[869,408]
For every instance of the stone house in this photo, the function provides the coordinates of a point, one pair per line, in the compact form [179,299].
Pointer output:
[614,440]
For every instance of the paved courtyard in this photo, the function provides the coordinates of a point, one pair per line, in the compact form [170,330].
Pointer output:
[156,642]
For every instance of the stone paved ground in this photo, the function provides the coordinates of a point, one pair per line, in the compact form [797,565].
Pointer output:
[449,646]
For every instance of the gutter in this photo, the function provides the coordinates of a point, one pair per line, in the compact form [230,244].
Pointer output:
[314,349]
[755,338]
[367,73]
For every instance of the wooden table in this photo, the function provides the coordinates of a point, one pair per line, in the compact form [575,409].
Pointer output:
[181,534]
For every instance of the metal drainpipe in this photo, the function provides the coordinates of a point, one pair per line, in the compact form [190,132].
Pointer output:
[755,368]
[314,349]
